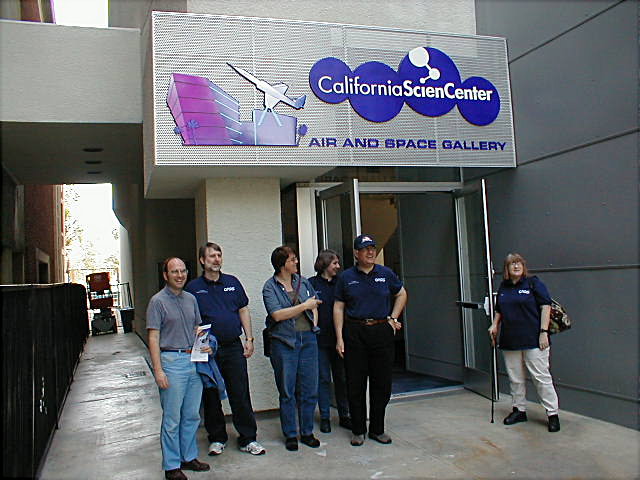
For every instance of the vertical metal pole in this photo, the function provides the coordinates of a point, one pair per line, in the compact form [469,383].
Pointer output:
[325,235]
[355,203]
[494,367]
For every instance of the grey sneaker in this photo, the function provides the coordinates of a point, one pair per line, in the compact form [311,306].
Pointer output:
[216,448]
[357,440]
[381,438]
[254,448]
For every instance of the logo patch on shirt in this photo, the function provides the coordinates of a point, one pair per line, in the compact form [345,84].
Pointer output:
[202,291]
[525,292]
[353,282]
[380,280]
[229,289]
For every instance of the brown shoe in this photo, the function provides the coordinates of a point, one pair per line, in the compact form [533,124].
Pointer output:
[175,474]
[195,465]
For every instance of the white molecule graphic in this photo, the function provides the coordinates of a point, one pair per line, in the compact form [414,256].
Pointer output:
[419,57]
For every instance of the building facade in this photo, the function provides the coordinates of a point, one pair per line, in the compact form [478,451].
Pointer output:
[201,115]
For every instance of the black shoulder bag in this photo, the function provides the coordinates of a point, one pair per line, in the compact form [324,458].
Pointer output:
[559,319]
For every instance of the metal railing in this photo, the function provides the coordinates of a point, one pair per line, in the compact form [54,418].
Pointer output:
[44,329]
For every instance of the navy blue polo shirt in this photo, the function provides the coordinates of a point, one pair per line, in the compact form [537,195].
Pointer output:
[325,290]
[519,304]
[368,295]
[219,303]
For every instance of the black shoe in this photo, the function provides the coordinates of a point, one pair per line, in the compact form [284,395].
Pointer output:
[554,423]
[175,474]
[310,441]
[345,422]
[381,438]
[291,444]
[515,417]
[325,425]
[195,465]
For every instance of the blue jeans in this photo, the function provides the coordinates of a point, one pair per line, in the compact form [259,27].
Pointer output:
[180,409]
[296,372]
[331,365]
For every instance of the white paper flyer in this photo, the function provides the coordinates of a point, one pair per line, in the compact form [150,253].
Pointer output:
[201,341]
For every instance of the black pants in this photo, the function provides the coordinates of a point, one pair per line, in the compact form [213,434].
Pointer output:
[368,354]
[233,367]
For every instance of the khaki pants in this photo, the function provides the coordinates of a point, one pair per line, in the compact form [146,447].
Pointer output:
[537,363]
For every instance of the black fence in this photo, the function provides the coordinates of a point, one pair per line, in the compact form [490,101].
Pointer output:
[44,329]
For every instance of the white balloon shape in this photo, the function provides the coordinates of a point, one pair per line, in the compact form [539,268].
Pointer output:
[419,57]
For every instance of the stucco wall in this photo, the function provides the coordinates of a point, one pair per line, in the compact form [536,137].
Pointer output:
[243,217]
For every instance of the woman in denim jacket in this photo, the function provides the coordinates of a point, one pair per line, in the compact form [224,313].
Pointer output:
[291,304]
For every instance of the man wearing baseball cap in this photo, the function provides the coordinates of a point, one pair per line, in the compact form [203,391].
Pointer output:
[369,298]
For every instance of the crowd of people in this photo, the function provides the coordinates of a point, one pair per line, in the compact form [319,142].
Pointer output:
[332,329]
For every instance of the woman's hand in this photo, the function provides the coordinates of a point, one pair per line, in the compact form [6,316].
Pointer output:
[543,340]
[493,333]
[340,347]
[311,303]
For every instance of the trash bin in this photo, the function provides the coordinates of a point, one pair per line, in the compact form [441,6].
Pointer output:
[126,316]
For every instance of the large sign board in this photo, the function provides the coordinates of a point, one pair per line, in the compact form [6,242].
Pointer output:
[251,91]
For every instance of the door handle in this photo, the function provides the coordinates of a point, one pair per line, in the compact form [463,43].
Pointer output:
[476,305]
[473,305]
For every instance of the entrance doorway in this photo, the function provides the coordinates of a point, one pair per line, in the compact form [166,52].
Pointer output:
[433,236]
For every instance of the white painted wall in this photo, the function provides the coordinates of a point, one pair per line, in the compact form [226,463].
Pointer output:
[450,16]
[242,215]
[69,74]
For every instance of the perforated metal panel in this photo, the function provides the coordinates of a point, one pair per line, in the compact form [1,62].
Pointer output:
[280,51]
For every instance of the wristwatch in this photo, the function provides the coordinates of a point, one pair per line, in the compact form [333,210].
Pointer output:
[392,319]
[249,339]
[542,330]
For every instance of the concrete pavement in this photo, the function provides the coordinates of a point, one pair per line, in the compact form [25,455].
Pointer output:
[110,426]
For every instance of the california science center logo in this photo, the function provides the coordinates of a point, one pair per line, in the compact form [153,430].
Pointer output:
[427,80]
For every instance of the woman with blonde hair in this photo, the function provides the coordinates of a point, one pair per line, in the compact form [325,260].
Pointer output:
[521,329]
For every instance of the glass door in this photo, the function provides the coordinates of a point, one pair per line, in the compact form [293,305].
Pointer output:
[341,218]
[476,289]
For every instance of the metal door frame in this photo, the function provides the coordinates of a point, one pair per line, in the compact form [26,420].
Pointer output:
[488,304]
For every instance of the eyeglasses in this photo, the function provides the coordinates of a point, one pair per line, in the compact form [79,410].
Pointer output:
[178,272]
[515,263]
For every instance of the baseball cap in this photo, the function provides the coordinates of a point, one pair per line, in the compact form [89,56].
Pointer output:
[363,241]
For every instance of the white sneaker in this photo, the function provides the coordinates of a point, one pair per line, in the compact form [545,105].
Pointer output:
[254,448]
[216,448]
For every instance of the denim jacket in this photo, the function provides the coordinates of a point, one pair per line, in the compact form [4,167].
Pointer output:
[275,298]
[209,372]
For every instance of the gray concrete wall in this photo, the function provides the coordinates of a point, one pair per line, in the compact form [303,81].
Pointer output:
[156,230]
[571,206]
[69,74]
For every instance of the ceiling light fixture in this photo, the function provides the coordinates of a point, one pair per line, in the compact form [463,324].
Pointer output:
[93,149]
[94,172]
[93,162]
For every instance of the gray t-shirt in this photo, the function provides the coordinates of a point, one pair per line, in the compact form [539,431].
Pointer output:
[176,316]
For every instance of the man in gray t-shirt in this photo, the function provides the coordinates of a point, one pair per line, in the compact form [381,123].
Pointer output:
[172,323]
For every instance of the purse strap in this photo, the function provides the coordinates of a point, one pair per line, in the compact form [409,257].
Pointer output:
[295,297]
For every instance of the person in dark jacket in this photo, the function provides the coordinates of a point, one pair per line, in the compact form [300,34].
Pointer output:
[291,304]
[330,364]
[521,328]
[369,298]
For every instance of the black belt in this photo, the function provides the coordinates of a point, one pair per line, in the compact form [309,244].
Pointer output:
[179,350]
[367,321]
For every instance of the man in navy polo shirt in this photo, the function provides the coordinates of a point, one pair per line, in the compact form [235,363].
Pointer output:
[224,304]
[369,298]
